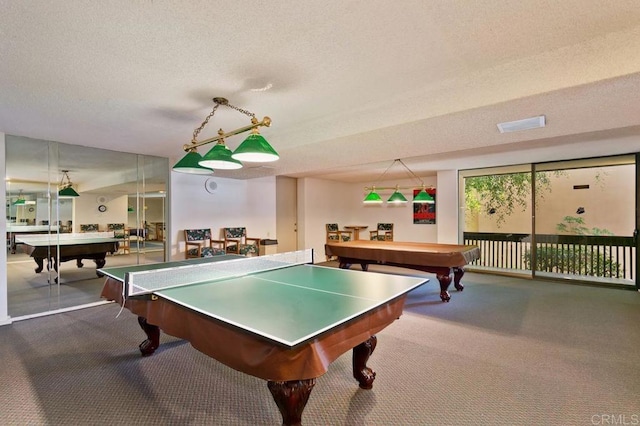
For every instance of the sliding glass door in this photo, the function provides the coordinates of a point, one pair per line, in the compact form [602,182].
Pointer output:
[572,220]
[584,226]
[497,217]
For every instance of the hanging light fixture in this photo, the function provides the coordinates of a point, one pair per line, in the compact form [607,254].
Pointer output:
[66,189]
[20,200]
[397,197]
[253,149]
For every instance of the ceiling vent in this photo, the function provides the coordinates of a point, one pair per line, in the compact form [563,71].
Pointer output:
[525,124]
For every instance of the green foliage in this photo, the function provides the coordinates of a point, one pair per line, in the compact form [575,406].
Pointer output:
[577,259]
[502,194]
[575,226]
[580,259]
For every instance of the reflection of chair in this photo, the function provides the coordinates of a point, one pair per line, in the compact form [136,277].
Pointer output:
[198,243]
[236,241]
[334,234]
[120,232]
[383,232]
[91,227]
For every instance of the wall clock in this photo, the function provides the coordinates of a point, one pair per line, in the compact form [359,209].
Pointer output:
[102,208]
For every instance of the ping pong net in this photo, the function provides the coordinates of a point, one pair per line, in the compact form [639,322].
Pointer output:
[144,282]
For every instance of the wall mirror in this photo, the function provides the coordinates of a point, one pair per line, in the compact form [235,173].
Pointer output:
[113,188]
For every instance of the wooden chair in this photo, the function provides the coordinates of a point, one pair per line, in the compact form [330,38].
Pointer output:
[237,242]
[122,233]
[334,234]
[383,232]
[198,243]
[91,227]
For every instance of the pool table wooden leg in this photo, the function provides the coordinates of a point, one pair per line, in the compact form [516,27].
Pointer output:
[361,353]
[291,397]
[457,277]
[40,262]
[150,345]
[445,281]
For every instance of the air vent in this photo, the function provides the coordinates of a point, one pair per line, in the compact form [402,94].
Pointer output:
[525,124]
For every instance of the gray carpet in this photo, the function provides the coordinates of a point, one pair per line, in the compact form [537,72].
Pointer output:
[505,351]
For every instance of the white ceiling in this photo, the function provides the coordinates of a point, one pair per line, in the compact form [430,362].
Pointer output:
[354,84]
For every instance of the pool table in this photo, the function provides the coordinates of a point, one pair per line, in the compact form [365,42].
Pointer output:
[440,259]
[41,248]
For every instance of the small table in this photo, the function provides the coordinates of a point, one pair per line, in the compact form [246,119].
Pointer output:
[356,230]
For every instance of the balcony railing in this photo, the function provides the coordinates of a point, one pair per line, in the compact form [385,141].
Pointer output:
[583,255]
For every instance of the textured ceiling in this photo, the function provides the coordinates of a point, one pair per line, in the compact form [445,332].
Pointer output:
[354,84]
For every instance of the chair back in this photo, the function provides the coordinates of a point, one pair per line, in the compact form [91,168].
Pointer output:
[237,233]
[90,227]
[383,232]
[236,241]
[335,234]
[197,234]
[117,228]
[332,227]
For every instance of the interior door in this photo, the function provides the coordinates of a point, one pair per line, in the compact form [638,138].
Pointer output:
[286,214]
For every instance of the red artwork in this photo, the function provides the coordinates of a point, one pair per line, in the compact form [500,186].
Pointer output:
[425,213]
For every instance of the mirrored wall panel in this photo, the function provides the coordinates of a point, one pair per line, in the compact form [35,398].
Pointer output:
[70,211]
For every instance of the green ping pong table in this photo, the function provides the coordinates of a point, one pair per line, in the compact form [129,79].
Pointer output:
[272,317]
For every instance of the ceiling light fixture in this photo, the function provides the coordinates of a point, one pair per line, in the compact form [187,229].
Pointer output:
[66,189]
[253,149]
[20,200]
[422,197]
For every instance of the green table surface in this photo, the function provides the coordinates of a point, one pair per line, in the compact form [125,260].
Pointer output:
[291,305]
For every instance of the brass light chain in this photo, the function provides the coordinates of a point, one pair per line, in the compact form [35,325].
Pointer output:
[197,131]
[244,111]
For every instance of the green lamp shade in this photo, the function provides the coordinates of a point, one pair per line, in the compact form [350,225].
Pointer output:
[423,197]
[372,198]
[219,157]
[397,198]
[68,192]
[189,164]
[19,202]
[255,148]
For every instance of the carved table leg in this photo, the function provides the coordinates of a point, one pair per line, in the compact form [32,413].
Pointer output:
[457,277]
[149,346]
[361,353]
[344,265]
[100,262]
[40,263]
[445,281]
[291,397]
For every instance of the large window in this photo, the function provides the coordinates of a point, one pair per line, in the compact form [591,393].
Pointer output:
[562,220]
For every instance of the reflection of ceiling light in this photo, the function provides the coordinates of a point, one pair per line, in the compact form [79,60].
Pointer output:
[525,124]
[20,201]
[66,189]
